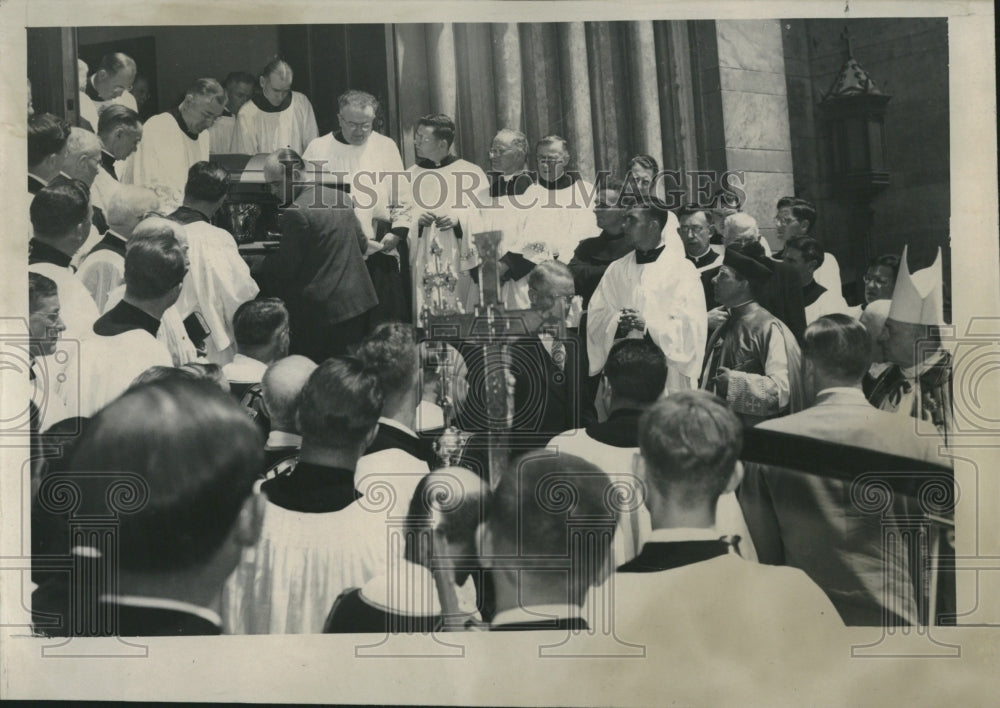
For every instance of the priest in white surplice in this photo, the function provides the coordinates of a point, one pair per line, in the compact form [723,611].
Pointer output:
[275,118]
[110,84]
[654,291]
[437,181]
[239,89]
[368,161]
[218,280]
[569,204]
[119,131]
[512,205]
[173,141]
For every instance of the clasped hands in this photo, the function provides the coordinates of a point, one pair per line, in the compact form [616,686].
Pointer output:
[630,321]
[444,223]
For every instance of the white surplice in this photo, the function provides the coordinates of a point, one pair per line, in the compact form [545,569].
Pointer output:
[258,131]
[438,190]
[217,282]
[163,158]
[171,333]
[669,296]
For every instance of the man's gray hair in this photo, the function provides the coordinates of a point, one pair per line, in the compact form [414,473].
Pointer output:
[358,99]
[741,227]
[129,204]
[207,88]
[81,141]
[549,272]
[517,139]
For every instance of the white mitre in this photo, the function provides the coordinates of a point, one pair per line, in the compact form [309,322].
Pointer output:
[917,297]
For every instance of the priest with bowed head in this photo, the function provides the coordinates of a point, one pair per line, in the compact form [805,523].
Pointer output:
[276,117]
[174,141]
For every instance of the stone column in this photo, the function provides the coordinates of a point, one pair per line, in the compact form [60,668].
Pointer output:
[576,96]
[507,74]
[644,88]
[441,65]
[744,110]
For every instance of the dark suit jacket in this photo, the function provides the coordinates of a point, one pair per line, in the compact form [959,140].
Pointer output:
[160,622]
[319,268]
[546,400]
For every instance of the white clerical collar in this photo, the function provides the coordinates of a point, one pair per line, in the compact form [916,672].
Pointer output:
[683,534]
[117,235]
[281,438]
[45,182]
[397,425]
[162,603]
[537,613]
[708,249]
[843,391]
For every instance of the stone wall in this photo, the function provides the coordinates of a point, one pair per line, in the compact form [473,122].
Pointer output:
[907,59]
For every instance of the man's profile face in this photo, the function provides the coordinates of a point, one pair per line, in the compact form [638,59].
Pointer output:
[787,226]
[276,86]
[238,94]
[793,257]
[726,285]
[141,92]
[504,156]
[206,111]
[879,283]
[125,141]
[44,326]
[115,85]
[638,226]
[357,123]
[552,298]
[427,145]
[899,342]
[551,160]
[609,217]
[695,233]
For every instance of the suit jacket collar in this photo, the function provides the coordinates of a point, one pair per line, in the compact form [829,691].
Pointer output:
[111,242]
[840,396]
[149,616]
[35,184]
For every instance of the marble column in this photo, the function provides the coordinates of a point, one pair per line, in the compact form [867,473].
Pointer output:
[507,74]
[576,96]
[744,111]
[441,65]
[644,89]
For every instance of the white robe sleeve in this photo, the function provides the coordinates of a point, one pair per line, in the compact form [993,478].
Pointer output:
[244,141]
[677,320]
[602,317]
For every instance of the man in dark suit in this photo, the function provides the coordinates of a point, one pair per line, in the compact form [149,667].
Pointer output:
[696,233]
[549,369]
[531,541]
[194,474]
[319,268]
[810,522]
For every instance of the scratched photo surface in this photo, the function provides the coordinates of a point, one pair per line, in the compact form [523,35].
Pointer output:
[659,341]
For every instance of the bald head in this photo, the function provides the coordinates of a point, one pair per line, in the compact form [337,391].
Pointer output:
[739,228]
[276,82]
[281,385]
[128,206]
[83,156]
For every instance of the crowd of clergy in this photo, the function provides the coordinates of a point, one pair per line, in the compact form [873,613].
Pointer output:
[303,458]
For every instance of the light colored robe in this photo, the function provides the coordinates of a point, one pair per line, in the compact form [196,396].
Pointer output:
[217,282]
[163,158]
[258,131]
[669,296]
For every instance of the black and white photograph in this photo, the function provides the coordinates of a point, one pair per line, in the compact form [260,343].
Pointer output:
[660,339]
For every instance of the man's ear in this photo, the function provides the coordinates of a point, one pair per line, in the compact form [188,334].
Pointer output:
[735,477]
[251,518]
